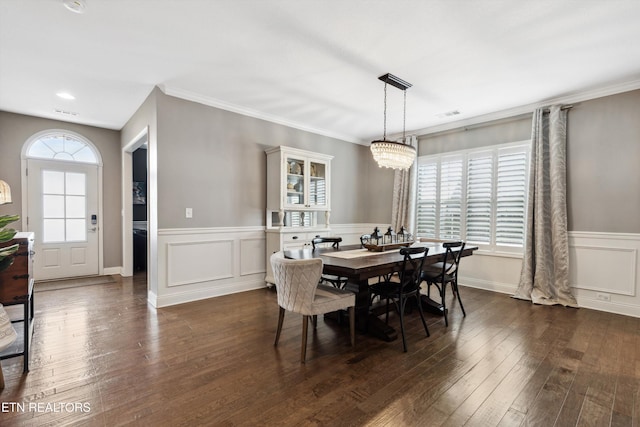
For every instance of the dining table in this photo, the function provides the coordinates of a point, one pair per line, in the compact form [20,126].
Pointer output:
[360,266]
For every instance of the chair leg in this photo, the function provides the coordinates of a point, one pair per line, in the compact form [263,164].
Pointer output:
[424,322]
[280,319]
[401,303]
[455,285]
[386,318]
[314,321]
[444,303]
[305,326]
[352,325]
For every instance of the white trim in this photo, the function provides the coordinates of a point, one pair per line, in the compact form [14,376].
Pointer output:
[603,235]
[529,108]
[503,288]
[206,230]
[200,294]
[108,271]
[127,203]
[239,109]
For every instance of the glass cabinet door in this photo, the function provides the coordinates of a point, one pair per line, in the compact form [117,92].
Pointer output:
[317,184]
[295,182]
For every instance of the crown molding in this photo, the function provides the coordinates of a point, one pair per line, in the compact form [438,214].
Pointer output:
[212,102]
[529,108]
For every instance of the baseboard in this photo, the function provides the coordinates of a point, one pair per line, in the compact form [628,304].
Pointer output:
[107,271]
[503,288]
[205,293]
[609,307]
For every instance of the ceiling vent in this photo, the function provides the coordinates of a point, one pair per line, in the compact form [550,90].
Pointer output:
[448,114]
[66,113]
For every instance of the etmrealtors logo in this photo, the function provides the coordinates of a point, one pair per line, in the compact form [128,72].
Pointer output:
[44,407]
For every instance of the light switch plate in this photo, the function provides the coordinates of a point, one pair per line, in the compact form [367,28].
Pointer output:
[188,213]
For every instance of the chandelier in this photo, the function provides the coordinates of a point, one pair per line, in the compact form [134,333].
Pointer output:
[390,154]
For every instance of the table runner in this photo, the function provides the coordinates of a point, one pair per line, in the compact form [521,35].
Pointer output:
[350,254]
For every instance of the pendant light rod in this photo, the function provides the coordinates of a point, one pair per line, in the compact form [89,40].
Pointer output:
[395,81]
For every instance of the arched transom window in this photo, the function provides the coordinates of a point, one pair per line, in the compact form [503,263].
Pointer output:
[61,146]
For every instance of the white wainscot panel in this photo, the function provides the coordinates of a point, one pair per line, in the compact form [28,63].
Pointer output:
[603,268]
[200,263]
[252,260]
[197,262]
[603,271]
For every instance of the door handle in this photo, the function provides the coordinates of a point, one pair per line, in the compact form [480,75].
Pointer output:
[93,229]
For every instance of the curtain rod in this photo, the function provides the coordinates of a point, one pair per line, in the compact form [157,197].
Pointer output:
[564,107]
[508,119]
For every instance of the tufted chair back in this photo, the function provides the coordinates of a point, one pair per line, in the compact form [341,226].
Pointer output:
[296,282]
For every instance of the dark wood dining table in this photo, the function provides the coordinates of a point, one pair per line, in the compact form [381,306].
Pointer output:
[360,269]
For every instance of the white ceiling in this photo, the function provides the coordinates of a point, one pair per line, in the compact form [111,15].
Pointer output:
[313,64]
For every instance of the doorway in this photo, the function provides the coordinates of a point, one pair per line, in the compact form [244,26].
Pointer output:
[135,184]
[63,204]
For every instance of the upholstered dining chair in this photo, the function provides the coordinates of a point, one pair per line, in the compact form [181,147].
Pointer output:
[334,242]
[7,337]
[408,286]
[299,291]
[445,272]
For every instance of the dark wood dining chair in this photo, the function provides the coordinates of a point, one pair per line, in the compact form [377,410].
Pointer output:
[446,272]
[334,242]
[408,286]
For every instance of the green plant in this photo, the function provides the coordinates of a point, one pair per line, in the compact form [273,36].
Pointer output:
[6,234]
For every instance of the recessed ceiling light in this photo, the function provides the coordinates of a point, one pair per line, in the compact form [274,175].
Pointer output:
[65,95]
[77,6]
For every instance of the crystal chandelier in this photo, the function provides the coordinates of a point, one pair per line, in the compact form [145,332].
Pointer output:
[390,154]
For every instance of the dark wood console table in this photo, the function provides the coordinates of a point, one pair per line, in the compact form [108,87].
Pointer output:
[16,287]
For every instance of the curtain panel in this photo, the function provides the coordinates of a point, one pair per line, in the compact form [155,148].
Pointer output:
[544,278]
[404,194]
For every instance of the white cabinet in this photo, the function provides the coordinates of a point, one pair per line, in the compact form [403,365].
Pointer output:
[287,239]
[298,199]
[299,182]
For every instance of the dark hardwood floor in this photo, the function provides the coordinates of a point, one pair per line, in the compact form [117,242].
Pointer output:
[212,362]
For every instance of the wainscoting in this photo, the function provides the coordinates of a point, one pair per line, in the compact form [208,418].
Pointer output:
[603,271]
[201,263]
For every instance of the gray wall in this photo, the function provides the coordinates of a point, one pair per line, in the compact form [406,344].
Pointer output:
[603,171]
[15,129]
[603,153]
[213,161]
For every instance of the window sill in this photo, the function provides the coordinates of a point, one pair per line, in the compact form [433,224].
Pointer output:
[501,254]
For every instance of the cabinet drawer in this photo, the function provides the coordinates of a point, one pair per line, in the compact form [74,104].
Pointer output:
[294,238]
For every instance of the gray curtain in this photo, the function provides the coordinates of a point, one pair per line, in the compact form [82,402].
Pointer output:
[544,278]
[404,194]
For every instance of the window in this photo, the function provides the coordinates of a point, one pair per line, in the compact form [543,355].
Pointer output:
[475,195]
[64,210]
[60,146]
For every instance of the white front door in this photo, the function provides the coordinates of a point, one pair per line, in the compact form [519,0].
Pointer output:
[62,213]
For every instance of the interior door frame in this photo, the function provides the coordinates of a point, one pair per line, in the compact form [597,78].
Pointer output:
[25,186]
[127,200]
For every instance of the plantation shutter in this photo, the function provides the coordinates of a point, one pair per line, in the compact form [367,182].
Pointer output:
[511,197]
[479,195]
[427,199]
[450,198]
